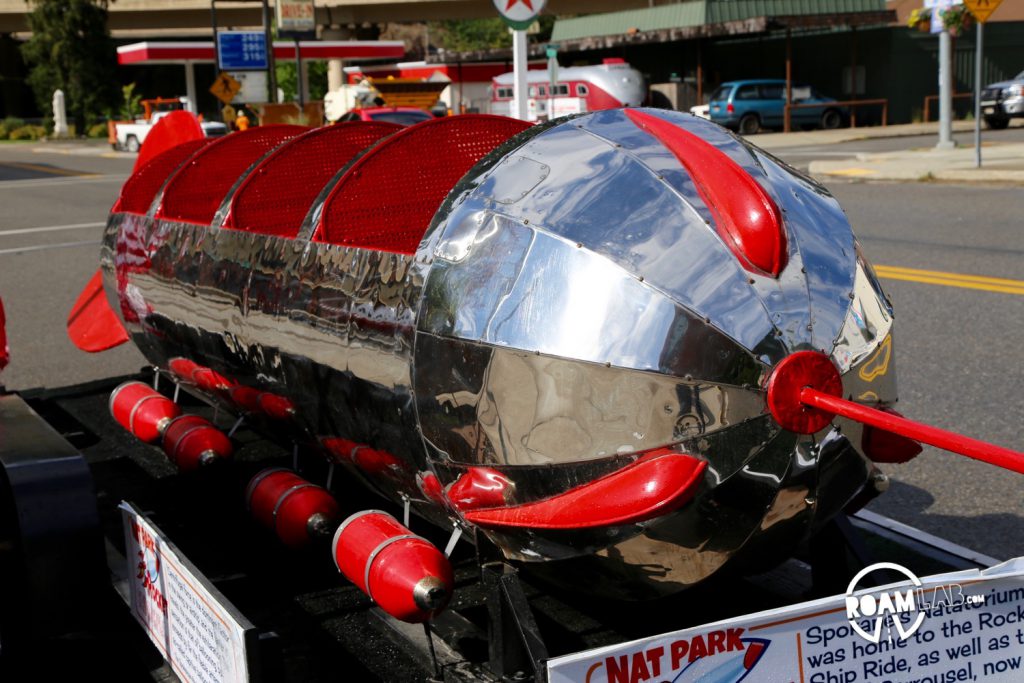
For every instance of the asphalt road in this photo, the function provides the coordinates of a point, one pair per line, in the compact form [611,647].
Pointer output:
[958,349]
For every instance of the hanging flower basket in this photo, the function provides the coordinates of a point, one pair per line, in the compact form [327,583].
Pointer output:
[957,19]
[920,19]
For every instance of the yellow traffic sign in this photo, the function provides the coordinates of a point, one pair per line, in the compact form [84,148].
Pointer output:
[982,9]
[225,87]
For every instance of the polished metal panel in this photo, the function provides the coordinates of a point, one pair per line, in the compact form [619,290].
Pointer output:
[649,231]
[510,407]
[511,285]
[868,322]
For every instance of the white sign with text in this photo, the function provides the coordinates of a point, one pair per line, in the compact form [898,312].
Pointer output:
[185,617]
[972,630]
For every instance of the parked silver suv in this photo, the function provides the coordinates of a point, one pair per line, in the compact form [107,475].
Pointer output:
[1002,101]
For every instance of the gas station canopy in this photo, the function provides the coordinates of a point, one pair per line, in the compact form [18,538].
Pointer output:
[203,52]
[191,53]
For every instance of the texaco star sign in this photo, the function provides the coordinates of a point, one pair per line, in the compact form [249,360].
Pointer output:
[519,14]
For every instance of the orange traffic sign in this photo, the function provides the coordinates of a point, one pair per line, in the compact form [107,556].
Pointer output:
[982,9]
[225,87]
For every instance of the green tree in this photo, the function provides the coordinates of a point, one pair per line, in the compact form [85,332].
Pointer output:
[287,80]
[70,49]
[471,34]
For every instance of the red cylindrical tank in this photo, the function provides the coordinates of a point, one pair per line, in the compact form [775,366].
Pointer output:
[293,508]
[191,442]
[245,398]
[407,576]
[276,407]
[210,380]
[143,411]
[182,368]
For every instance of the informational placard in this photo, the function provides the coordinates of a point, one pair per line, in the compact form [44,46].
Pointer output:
[242,50]
[296,18]
[962,626]
[187,619]
[252,86]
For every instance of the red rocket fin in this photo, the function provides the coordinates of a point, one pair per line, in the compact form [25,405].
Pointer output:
[171,130]
[92,324]
[648,488]
[745,216]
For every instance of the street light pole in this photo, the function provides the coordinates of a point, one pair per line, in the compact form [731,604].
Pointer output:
[519,67]
[977,95]
[945,92]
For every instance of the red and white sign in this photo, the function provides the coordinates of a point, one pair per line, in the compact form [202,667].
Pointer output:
[185,617]
[517,12]
[203,52]
[295,16]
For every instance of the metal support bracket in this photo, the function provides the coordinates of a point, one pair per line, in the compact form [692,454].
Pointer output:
[829,551]
[516,649]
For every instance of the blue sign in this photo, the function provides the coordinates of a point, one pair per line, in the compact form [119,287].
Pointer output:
[242,50]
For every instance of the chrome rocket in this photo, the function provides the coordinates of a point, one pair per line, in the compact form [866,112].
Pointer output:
[561,336]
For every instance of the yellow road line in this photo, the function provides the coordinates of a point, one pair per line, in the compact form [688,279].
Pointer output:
[853,172]
[43,169]
[953,276]
[934,277]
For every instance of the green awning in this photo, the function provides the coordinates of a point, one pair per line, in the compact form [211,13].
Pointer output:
[695,13]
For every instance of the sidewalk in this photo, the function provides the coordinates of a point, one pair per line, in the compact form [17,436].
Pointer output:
[770,141]
[1002,163]
[90,147]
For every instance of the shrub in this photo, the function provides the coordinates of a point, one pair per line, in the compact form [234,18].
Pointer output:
[97,130]
[28,133]
[9,124]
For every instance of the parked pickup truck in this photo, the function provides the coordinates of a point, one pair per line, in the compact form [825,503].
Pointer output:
[129,135]
[1002,101]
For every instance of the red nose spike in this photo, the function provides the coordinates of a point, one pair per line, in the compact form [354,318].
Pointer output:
[745,216]
[805,393]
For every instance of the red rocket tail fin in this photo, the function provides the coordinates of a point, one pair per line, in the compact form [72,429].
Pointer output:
[171,130]
[92,324]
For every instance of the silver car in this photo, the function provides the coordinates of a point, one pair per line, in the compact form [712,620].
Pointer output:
[1002,101]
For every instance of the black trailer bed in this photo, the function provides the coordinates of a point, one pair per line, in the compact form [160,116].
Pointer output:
[314,625]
